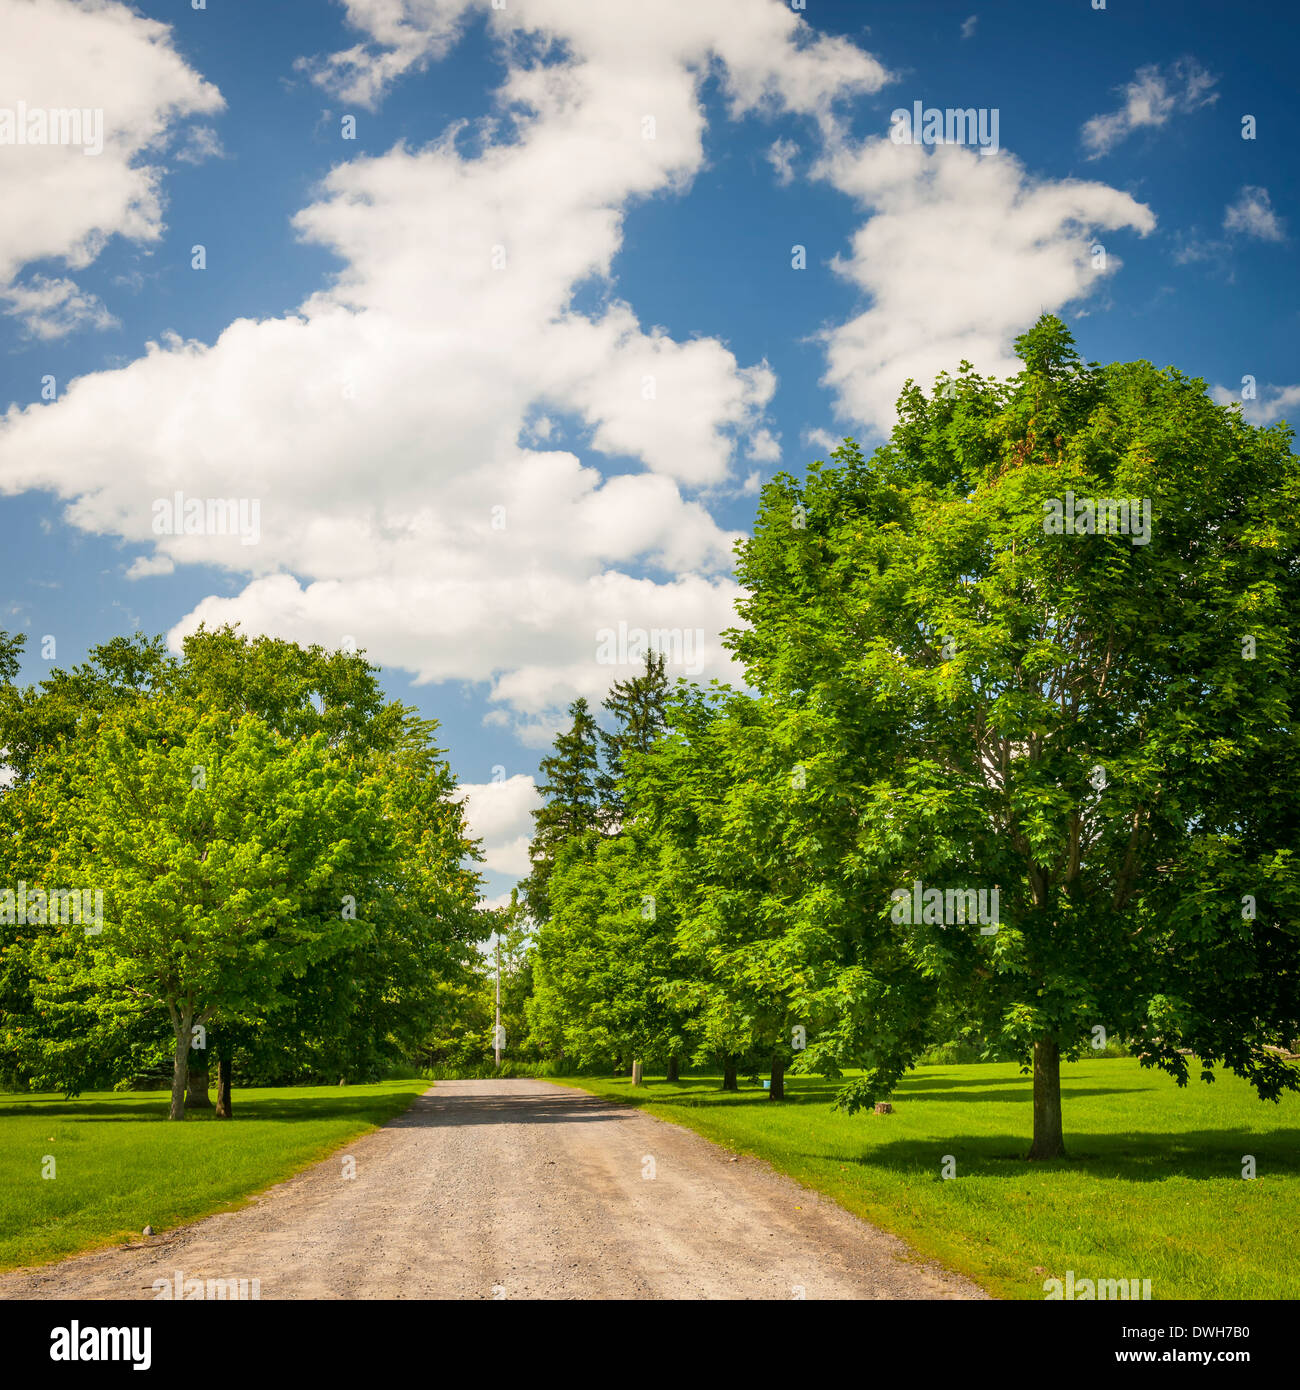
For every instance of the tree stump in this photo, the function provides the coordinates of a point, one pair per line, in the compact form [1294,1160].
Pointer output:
[883,1107]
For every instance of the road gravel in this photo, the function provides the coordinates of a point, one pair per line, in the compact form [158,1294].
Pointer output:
[521,1189]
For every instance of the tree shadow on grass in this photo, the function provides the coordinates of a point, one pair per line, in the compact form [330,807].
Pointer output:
[303,1108]
[501,1105]
[568,1106]
[996,1088]
[1023,1093]
[821,1091]
[1132,1155]
[1136,1156]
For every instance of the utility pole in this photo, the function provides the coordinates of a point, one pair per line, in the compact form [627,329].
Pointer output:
[496,1034]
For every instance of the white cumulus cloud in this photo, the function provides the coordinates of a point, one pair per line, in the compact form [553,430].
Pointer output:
[400,430]
[120,74]
[961,252]
[500,815]
[1269,405]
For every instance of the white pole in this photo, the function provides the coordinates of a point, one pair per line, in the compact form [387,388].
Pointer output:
[496,1036]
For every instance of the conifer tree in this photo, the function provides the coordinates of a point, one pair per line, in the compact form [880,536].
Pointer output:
[637,705]
[572,802]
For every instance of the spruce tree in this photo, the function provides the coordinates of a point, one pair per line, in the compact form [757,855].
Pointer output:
[572,806]
[638,707]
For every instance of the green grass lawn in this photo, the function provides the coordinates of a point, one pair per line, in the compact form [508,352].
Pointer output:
[121,1165]
[1152,1188]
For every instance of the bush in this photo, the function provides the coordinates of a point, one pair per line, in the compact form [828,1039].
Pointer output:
[949,1054]
[960,1053]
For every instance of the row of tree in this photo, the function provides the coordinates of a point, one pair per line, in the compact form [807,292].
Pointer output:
[278,863]
[1097,730]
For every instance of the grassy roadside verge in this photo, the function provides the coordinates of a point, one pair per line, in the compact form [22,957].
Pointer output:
[119,1164]
[1152,1187]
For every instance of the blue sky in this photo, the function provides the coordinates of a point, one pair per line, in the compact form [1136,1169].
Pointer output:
[387,383]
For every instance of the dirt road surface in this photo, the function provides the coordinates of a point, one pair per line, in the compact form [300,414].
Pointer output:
[521,1189]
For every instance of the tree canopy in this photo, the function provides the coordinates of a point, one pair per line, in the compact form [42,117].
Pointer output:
[279,852]
[1017,755]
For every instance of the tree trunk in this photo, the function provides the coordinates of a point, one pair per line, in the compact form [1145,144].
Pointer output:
[180,1068]
[673,1077]
[777,1091]
[1048,1140]
[223,1089]
[196,1094]
[636,1073]
[729,1074]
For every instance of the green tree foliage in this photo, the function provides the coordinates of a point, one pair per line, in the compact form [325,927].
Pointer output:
[1102,730]
[637,706]
[513,930]
[353,1015]
[225,853]
[604,952]
[572,808]
[604,956]
[956,693]
[11,647]
[462,1036]
[708,797]
[320,889]
[48,733]
[66,705]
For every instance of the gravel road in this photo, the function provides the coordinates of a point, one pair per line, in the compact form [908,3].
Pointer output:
[521,1189]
